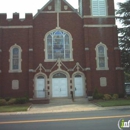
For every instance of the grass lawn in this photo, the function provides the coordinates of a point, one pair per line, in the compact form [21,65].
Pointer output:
[14,108]
[119,102]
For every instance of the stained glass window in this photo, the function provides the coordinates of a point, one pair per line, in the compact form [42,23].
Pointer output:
[58,45]
[101,56]
[15,58]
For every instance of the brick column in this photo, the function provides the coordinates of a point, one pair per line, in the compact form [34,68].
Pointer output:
[88,68]
[118,67]
[31,74]
[0,62]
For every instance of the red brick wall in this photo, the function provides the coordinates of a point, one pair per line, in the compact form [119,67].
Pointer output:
[83,37]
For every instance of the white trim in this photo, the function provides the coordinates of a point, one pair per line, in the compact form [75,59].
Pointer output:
[84,83]
[105,56]
[57,5]
[58,21]
[88,68]
[31,70]
[97,25]
[16,27]
[106,8]
[30,49]
[90,16]
[65,7]
[10,60]
[86,49]
[68,80]
[70,41]
[119,68]
[50,12]
[46,89]
[116,48]
[80,2]
[103,81]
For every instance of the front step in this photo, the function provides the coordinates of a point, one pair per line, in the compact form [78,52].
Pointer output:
[40,101]
[65,101]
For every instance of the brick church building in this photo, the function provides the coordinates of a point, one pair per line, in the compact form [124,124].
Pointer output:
[60,50]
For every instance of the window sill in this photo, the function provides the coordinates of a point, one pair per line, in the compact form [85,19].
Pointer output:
[102,68]
[65,60]
[15,71]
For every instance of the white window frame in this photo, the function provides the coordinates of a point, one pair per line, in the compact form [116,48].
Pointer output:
[105,56]
[70,41]
[11,70]
[98,8]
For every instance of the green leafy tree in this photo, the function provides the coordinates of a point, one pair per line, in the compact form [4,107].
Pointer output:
[123,16]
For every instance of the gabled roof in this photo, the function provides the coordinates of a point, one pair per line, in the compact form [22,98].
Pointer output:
[49,2]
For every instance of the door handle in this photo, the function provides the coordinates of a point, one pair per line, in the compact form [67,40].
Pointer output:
[75,89]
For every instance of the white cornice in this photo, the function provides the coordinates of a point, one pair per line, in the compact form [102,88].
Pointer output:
[90,16]
[119,68]
[16,27]
[97,25]
[56,11]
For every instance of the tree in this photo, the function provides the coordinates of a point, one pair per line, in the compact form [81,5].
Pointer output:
[123,16]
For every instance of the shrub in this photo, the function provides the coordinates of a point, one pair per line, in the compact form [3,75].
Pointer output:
[115,96]
[107,97]
[21,100]
[121,95]
[11,101]
[7,98]
[2,102]
[97,95]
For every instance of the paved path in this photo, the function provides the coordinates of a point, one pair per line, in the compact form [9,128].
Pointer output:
[65,105]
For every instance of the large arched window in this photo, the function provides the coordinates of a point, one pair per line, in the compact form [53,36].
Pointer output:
[15,58]
[101,57]
[58,44]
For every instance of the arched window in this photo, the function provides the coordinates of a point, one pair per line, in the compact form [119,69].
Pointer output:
[101,57]
[58,44]
[99,7]
[15,58]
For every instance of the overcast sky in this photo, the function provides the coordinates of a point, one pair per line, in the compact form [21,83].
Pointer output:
[28,6]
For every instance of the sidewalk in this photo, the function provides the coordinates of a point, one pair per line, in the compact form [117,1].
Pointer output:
[65,105]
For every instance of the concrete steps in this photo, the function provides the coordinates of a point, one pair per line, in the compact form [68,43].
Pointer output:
[65,101]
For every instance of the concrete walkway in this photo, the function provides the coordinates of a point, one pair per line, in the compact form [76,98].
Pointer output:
[65,105]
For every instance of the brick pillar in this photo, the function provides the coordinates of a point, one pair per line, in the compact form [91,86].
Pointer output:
[0,62]
[118,68]
[31,74]
[119,73]
[88,68]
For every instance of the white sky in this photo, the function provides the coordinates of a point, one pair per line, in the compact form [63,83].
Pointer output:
[29,6]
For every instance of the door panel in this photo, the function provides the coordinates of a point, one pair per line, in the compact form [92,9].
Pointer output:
[63,87]
[40,88]
[78,86]
[55,88]
[59,87]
